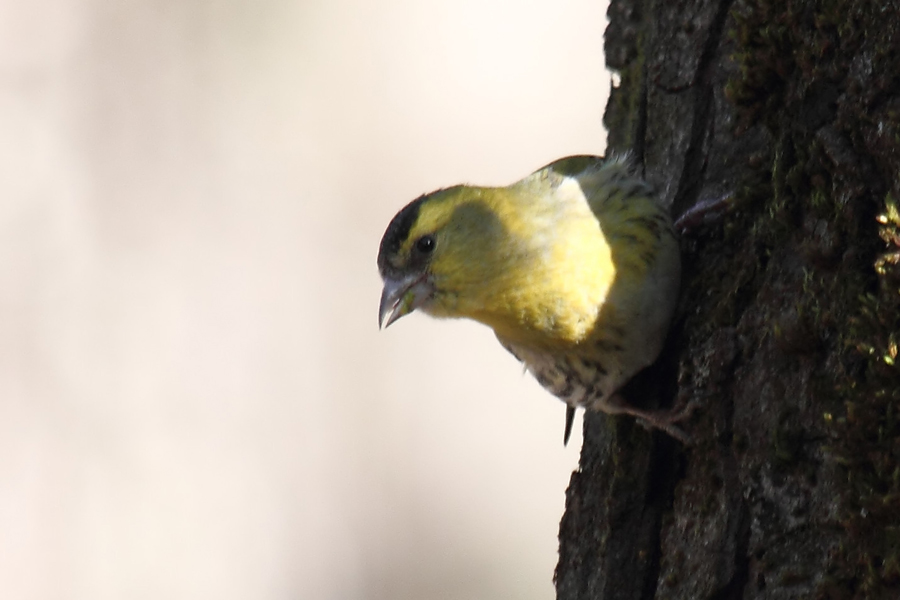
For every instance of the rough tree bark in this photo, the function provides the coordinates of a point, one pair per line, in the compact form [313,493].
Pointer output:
[789,321]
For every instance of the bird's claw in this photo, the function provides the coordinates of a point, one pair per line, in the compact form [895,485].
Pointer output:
[705,211]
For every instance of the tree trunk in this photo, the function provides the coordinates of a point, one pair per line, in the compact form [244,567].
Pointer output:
[789,320]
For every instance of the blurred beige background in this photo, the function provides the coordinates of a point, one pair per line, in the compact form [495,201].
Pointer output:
[195,399]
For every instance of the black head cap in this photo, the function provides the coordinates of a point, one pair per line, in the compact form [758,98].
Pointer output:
[396,234]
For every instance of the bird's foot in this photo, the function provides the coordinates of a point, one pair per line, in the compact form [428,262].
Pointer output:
[663,419]
[704,212]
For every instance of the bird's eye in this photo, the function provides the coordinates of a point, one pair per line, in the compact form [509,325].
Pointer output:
[425,244]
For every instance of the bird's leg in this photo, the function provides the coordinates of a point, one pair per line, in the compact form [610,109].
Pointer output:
[704,212]
[660,419]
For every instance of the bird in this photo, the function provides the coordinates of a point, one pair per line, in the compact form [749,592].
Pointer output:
[575,267]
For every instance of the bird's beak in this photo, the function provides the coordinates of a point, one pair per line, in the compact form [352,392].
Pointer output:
[401,297]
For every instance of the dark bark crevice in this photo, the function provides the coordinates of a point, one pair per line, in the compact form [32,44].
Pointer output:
[704,117]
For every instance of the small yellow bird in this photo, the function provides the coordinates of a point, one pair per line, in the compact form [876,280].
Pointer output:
[576,268]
